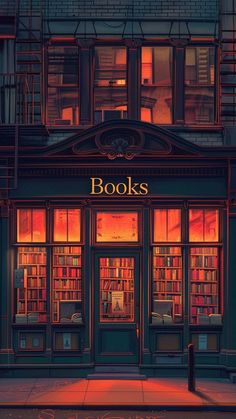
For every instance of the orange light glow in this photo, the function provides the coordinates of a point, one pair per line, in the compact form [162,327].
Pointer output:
[117,227]
[203,225]
[31,225]
[67,225]
[167,225]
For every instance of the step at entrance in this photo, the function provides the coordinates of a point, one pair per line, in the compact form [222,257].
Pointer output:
[121,372]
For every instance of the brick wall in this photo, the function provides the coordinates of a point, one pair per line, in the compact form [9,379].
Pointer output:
[133,8]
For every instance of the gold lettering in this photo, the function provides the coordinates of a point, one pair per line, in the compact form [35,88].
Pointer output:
[113,188]
[131,188]
[124,186]
[96,185]
[143,188]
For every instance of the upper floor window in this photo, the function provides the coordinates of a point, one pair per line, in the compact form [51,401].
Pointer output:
[110,83]
[63,85]
[199,85]
[67,226]
[167,225]
[156,87]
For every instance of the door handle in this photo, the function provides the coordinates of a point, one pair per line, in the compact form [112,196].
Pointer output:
[137,331]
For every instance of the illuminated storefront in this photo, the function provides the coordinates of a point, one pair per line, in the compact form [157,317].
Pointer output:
[119,257]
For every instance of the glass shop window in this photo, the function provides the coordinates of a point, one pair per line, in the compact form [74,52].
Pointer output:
[63,85]
[199,85]
[167,225]
[67,225]
[203,225]
[117,227]
[31,225]
[110,83]
[156,85]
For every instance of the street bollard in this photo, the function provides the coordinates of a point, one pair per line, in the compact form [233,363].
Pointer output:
[191,368]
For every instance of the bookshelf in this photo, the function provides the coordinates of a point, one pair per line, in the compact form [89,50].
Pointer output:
[117,289]
[204,285]
[167,282]
[31,298]
[67,283]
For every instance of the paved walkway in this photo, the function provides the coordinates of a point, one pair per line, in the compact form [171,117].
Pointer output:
[169,393]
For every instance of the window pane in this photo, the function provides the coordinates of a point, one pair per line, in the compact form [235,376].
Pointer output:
[39,225]
[199,66]
[157,65]
[160,225]
[117,227]
[211,225]
[196,225]
[31,281]
[167,307]
[73,225]
[174,225]
[199,105]
[60,225]
[204,286]
[156,104]
[116,290]
[24,225]
[167,225]
[110,83]
[63,79]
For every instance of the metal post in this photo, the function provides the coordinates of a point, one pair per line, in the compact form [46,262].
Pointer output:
[191,368]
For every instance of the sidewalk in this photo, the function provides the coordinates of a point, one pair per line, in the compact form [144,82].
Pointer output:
[168,393]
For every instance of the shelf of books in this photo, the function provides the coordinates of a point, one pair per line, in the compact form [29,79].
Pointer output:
[204,285]
[117,289]
[67,284]
[167,285]
[31,296]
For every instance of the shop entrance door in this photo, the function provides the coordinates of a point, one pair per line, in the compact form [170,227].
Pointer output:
[116,311]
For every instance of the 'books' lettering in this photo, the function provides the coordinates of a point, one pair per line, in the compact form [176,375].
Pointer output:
[129,187]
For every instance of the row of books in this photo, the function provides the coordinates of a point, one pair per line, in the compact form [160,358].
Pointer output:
[203,275]
[31,249]
[117,285]
[67,271]
[122,273]
[166,250]
[175,286]
[36,294]
[165,261]
[36,306]
[32,258]
[203,310]
[204,261]
[68,250]
[203,300]
[36,282]
[67,295]
[68,284]
[36,270]
[204,288]
[117,262]
[67,260]
[203,251]
[167,274]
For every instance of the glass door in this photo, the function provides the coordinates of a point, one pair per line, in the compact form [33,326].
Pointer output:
[116,308]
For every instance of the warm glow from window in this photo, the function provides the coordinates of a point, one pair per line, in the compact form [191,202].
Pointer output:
[67,225]
[203,225]
[167,225]
[31,225]
[117,227]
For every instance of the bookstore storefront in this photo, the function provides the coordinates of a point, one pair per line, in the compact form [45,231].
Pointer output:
[116,262]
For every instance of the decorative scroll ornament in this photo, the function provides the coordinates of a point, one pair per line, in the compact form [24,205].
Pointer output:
[122,144]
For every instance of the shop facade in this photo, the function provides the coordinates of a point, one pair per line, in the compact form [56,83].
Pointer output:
[118,249]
